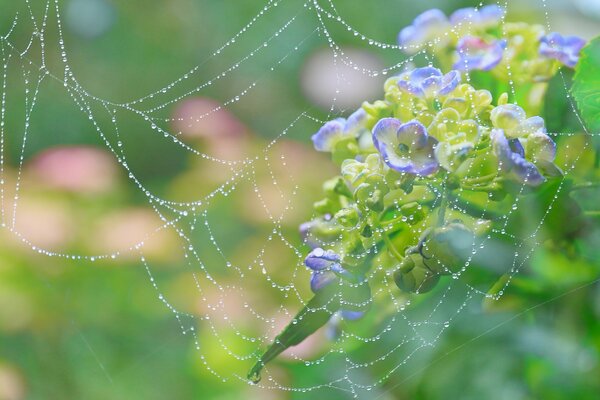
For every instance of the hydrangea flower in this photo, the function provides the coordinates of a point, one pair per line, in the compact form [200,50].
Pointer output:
[356,172]
[484,17]
[405,147]
[539,147]
[425,27]
[565,49]
[339,128]
[511,159]
[326,268]
[513,120]
[428,82]
[476,54]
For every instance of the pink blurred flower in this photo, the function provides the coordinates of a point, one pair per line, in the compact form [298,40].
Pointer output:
[223,133]
[45,224]
[12,384]
[123,230]
[75,168]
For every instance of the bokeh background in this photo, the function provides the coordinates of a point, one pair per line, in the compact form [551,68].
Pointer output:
[83,329]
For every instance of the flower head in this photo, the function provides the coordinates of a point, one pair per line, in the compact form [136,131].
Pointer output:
[424,28]
[405,147]
[565,49]
[511,159]
[338,128]
[428,82]
[482,18]
[513,120]
[540,147]
[475,53]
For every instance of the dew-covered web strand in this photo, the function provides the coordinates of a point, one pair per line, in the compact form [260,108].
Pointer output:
[194,215]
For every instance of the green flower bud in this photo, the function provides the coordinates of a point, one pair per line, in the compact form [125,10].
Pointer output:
[413,276]
[325,206]
[326,231]
[377,110]
[370,194]
[356,172]
[344,149]
[353,246]
[347,217]
[336,186]
[413,212]
[447,248]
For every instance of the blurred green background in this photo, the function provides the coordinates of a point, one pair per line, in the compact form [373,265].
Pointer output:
[83,329]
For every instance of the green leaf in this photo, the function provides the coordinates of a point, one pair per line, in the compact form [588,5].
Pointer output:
[315,314]
[558,110]
[586,85]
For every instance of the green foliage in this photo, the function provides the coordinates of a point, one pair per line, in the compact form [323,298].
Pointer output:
[586,85]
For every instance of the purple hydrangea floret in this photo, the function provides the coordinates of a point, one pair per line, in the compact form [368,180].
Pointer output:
[423,29]
[511,159]
[428,82]
[319,259]
[565,49]
[478,18]
[326,268]
[351,315]
[477,54]
[405,147]
[331,131]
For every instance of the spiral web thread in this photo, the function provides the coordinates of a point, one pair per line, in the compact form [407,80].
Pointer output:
[403,335]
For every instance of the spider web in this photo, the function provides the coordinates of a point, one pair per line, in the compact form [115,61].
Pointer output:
[233,320]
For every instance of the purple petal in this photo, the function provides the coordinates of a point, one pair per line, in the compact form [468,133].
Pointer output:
[430,18]
[428,82]
[526,172]
[320,279]
[409,87]
[476,54]
[449,82]
[501,148]
[424,160]
[319,259]
[411,151]
[516,147]
[513,162]
[385,132]
[423,28]
[482,18]
[491,14]
[305,233]
[323,139]
[355,122]
[408,36]
[412,134]
[418,75]
[462,15]
[351,315]
[565,49]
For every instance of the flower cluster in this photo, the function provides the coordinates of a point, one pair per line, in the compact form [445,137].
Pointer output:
[469,40]
[429,170]
[431,133]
